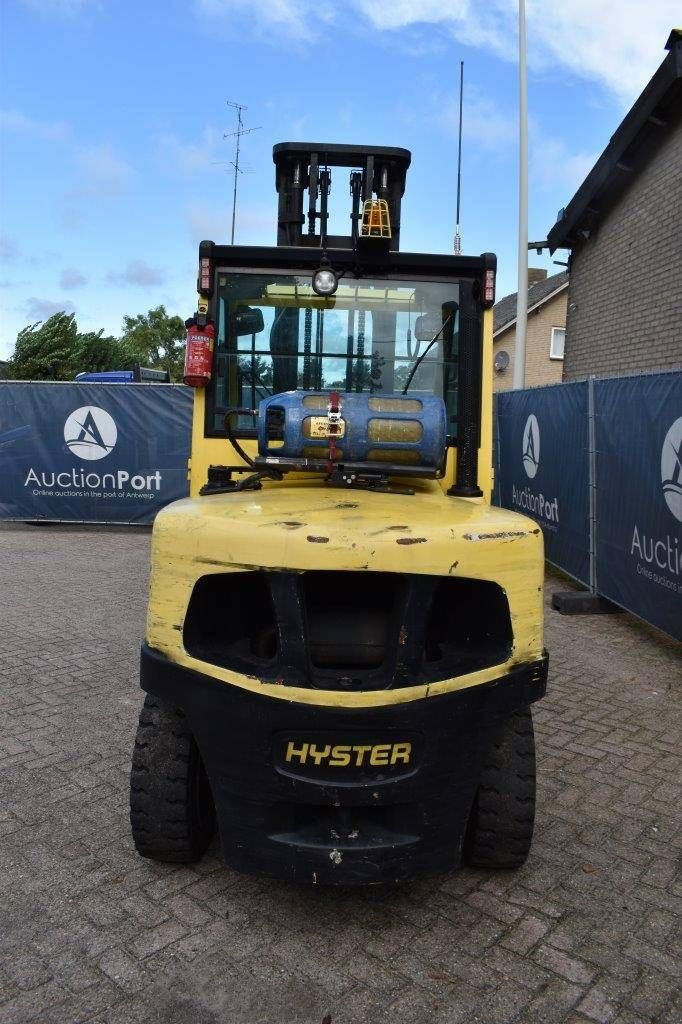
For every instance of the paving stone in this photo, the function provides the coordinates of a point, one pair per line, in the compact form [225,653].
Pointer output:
[26,970]
[92,934]
[653,995]
[526,934]
[568,967]
[597,1006]
[552,1003]
[30,1004]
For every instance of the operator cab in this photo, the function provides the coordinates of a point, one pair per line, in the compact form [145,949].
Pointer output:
[325,314]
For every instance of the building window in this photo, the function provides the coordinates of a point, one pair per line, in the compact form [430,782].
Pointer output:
[556,345]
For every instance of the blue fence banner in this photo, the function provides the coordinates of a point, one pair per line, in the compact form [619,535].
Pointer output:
[113,453]
[542,467]
[638,424]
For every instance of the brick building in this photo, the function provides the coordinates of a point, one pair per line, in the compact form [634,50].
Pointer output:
[547,297]
[624,230]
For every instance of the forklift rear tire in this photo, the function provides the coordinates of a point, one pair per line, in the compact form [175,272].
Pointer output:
[500,827]
[171,809]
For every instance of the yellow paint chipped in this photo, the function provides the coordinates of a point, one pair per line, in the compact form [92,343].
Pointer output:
[232,532]
[301,524]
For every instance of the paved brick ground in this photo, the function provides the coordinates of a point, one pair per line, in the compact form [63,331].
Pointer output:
[89,932]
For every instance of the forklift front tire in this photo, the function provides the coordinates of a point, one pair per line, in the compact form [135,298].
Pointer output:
[171,809]
[500,827]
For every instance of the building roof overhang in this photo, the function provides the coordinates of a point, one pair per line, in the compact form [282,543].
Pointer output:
[656,110]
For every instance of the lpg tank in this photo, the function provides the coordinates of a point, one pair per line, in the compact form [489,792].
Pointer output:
[391,428]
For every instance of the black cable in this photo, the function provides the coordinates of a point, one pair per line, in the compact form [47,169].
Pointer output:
[232,439]
[426,350]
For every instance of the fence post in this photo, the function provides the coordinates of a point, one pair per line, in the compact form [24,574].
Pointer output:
[575,602]
[592,483]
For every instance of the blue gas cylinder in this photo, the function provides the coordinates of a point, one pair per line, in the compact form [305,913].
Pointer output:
[392,428]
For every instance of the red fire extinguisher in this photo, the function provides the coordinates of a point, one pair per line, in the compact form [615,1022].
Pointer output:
[198,353]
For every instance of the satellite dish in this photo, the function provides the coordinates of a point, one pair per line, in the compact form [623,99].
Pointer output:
[501,361]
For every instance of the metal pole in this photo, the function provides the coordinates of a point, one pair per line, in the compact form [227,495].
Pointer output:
[458,239]
[236,170]
[241,130]
[522,288]
[592,483]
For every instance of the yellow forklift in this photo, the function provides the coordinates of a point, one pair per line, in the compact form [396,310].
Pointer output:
[344,637]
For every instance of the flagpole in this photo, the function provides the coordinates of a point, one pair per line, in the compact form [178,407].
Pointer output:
[522,287]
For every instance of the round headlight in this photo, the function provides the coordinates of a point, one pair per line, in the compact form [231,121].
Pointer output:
[325,281]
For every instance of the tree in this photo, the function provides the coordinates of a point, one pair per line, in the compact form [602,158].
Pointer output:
[54,350]
[96,351]
[43,350]
[156,340]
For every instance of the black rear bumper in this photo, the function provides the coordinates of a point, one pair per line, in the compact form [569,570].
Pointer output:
[337,795]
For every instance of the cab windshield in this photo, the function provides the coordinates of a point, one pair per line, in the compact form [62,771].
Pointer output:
[377,335]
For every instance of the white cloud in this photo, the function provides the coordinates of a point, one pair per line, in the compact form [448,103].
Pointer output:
[138,273]
[620,46]
[103,173]
[396,14]
[617,45]
[257,224]
[65,8]
[207,220]
[483,121]
[9,249]
[72,278]
[43,309]
[553,167]
[292,19]
[14,121]
[254,225]
[188,158]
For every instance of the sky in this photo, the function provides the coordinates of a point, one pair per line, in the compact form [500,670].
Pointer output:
[113,113]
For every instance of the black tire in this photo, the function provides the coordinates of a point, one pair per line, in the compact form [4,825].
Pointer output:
[171,809]
[500,828]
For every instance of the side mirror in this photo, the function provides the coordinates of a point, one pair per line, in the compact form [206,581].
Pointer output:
[248,321]
[427,326]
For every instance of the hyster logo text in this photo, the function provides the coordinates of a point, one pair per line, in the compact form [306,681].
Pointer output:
[90,432]
[346,755]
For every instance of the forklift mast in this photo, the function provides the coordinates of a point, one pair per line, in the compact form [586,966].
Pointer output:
[375,171]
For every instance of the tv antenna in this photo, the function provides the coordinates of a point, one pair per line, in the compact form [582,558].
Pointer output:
[458,237]
[237,135]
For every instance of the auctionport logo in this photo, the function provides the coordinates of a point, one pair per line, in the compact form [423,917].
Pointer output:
[659,558]
[543,508]
[90,432]
[531,446]
[671,469]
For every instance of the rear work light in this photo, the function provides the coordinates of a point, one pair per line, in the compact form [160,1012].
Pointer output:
[204,275]
[489,287]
